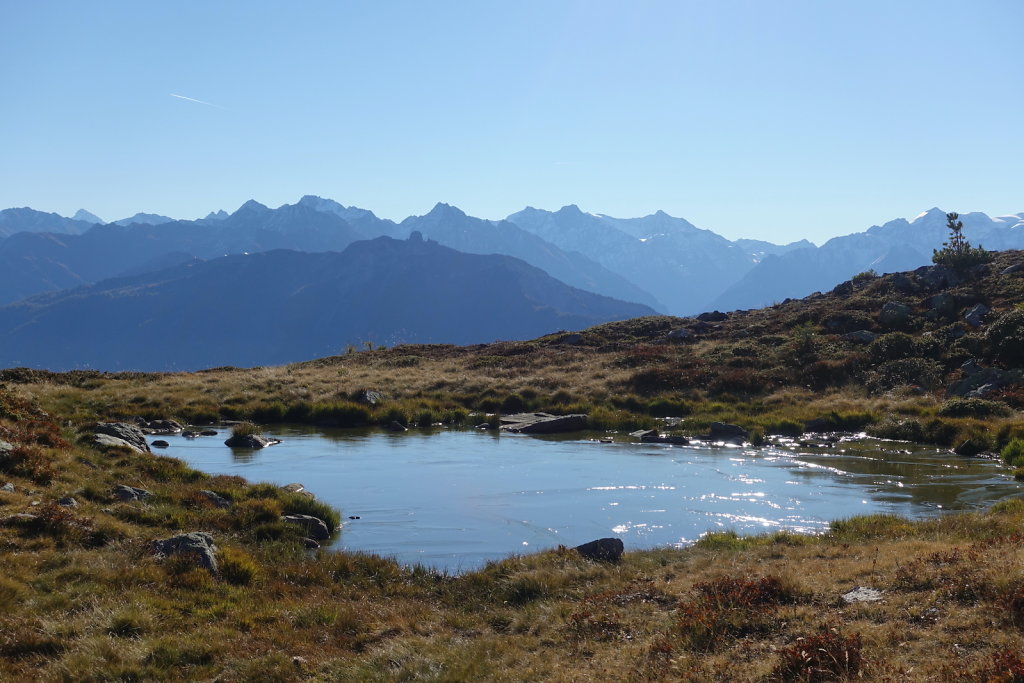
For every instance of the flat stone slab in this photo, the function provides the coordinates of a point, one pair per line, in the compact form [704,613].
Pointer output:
[543,423]
[862,594]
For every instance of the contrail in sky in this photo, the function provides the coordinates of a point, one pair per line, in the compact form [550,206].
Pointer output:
[192,99]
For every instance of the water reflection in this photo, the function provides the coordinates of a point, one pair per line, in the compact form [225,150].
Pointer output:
[455,499]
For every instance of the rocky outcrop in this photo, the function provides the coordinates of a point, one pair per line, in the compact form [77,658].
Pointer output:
[296,487]
[894,315]
[215,498]
[543,423]
[679,334]
[314,527]
[126,434]
[860,336]
[127,493]
[162,427]
[937,277]
[197,544]
[976,316]
[602,550]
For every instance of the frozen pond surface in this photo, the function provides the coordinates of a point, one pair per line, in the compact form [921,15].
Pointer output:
[455,499]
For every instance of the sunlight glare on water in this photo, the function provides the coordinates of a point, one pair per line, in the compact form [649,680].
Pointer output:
[454,499]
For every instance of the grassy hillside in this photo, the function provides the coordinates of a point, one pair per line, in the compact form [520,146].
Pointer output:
[85,597]
[772,370]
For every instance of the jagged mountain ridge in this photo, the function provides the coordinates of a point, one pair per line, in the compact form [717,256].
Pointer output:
[34,262]
[660,260]
[895,246]
[282,306]
[686,266]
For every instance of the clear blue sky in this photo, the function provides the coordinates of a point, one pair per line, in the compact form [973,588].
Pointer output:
[772,119]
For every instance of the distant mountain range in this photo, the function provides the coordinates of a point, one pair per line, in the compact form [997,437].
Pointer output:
[281,306]
[890,248]
[659,261]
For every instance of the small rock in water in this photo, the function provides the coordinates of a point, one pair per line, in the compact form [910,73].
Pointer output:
[159,443]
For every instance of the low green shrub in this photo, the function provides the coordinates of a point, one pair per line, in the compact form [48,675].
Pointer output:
[897,430]
[245,429]
[1013,453]
[236,566]
[972,407]
[1006,338]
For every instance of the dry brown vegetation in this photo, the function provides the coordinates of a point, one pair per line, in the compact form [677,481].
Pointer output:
[83,597]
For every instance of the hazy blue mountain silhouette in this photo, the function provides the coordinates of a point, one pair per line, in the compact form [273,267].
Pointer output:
[34,262]
[894,247]
[24,219]
[686,267]
[282,306]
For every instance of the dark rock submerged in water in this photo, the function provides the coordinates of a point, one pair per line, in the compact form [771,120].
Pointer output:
[602,550]
[249,441]
[543,423]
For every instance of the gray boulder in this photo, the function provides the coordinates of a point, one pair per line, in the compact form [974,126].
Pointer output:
[976,316]
[369,397]
[296,487]
[712,316]
[679,334]
[68,502]
[971,367]
[314,527]
[159,443]
[128,433]
[902,283]
[1010,270]
[215,498]
[941,305]
[937,277]
[198,544]
[249,441]
[860,336]
[164,427]
[127,493]
[7,488]
[728,433]
[894,314]
[602,550]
